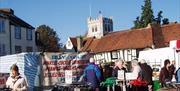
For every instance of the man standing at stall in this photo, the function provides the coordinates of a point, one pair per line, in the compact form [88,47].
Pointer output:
[92,75]
[147,73]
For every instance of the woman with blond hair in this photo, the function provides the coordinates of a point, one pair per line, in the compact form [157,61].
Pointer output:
[119,65]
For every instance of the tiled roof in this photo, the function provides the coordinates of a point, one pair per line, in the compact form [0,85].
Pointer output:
[134,39]
[171,32]
[87,44]
[120,40]
[162,35]
[74,41]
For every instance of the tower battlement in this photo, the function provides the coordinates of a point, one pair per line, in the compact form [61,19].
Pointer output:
[98,27]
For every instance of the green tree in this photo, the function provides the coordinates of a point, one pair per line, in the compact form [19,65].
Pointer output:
[159,17]
[165,21]
[137,23]
[147,13]
[148,17]
[48,40]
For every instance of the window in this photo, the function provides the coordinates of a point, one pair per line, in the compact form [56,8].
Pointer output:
[29,49]
[29,34]
[106,28]
[2,50]
[109,28]
[2,26]
[95,29]
[92,29]
[18,32]
[114,55]
[18,49]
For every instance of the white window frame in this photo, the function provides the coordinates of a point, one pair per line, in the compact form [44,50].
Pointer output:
[114,54]
[17,32]
[29,34]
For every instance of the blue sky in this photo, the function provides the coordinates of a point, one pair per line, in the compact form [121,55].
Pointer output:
[69,17]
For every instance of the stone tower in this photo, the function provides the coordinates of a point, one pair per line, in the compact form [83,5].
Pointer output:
[99,27]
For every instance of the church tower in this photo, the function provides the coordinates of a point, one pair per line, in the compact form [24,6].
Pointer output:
[99,27]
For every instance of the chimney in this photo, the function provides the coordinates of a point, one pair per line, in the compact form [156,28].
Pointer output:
[157,36]
[7,10]
[79,43]
[149,25]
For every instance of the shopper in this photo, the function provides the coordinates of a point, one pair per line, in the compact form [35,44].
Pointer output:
[138,84]
[107,71]
[136,69]
[92,75]
[147,73]
[15,82]
[172,69]
[118,66]
[165,73]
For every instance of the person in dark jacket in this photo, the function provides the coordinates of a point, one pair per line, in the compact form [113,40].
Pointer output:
[119,66]
[101,67]
[177,74]
[107,71]
[92,75]
[164,73]
[172,68]
[147,73]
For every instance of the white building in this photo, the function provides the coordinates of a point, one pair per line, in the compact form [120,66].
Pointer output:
[16,35]
[73,44]
[99,27]
[127,44]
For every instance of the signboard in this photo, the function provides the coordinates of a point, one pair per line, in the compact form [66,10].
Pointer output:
[55,64]
[45,70]
[68,76]
[175,44]
[121,74]
[130,76]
